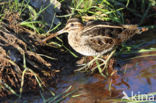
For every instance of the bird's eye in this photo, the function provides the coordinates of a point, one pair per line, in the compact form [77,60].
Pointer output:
[71,25]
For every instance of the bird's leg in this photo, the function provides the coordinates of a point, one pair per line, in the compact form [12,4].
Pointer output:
[105,63]
[82,61]
[108,59]
[85,66]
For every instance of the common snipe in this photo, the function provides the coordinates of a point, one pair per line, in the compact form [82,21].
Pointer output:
[96,37]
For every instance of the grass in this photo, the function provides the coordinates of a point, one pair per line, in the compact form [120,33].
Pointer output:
[108,10]
[32,22]
[60,97]
[112,10]
[5,86]
[103,10]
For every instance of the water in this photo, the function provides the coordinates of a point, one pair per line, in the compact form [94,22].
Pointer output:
[135,76]
[139,78]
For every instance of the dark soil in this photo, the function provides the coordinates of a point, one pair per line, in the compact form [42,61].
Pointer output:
[19,49]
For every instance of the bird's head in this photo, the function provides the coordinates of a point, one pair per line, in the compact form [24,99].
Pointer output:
[72,25]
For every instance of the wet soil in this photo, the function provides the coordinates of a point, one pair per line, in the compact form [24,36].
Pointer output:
[132,72]
[20,61]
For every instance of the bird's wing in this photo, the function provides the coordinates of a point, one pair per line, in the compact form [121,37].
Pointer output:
[122,32]
[101,43]
[102,29]
[97,22]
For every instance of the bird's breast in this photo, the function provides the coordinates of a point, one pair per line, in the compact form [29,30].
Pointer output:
[78,43]
[74,40]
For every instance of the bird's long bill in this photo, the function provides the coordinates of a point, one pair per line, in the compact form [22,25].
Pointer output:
[61,31]
[54,35]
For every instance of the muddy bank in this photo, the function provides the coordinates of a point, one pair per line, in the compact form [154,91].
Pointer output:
[22,67]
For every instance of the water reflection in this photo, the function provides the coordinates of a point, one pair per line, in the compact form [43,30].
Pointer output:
[138,78]
[135,76]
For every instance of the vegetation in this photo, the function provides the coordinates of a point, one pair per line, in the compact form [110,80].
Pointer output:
[28,21]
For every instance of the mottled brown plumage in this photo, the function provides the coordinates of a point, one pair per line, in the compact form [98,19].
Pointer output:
[96,37]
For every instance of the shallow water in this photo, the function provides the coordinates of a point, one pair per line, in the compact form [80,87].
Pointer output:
[135,76]
[138,78]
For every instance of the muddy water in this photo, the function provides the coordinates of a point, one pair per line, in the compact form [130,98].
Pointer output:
[135,76]
[138,78]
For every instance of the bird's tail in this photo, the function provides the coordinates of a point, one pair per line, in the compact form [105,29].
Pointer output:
[130,31]
[141,29]
[135,27]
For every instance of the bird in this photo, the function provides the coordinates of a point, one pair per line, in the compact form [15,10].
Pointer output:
[96,38]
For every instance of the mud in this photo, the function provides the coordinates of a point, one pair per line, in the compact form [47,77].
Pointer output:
[19,52]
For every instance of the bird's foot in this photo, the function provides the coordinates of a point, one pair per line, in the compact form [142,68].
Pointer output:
[85,66]
[103,65]
[108,59]
[96,59]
